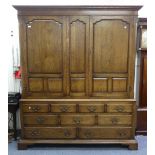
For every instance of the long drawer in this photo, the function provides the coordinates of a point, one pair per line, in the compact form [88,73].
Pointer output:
[111,119]
[77,119]
[105,132]
[49,132]
[40,119]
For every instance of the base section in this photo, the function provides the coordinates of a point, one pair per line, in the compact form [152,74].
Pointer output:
[132,144]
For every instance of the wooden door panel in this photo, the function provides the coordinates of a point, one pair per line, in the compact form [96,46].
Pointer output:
[100,84]
[119,84]
[78,54]
[78,85]
[109,57]
[45,46]
[55,85]
[77,46]
[144,82]
[45,61]
[36,84]
[110,46]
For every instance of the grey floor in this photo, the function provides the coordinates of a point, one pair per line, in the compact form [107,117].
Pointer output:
[80,150]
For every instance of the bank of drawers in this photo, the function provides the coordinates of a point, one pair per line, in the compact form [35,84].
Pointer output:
[78,119]
[78,107]
[90,120]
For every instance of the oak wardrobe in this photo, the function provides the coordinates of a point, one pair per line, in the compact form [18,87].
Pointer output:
[78,65]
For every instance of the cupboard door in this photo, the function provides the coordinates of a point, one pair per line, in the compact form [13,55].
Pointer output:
[45,46]
[110,56]
[46,37]
[78,54]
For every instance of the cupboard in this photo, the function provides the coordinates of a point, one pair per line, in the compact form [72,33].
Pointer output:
[78,74]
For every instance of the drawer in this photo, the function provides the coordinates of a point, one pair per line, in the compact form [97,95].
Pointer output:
[92,107]
[49,132]
[35,108]
[77,119]
[114,119]
[40,119]
[119,107]
[105,132]
[63,107]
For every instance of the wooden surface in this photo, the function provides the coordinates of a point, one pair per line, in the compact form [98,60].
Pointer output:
[142,106]
[132,144]
[78,74]
[56,68]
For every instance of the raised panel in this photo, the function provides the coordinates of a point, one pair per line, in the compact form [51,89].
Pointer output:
[45,46]
[119,84]
[77,84]
[77,46]
[55,85]
[100,85]
[36,84]
[110,46]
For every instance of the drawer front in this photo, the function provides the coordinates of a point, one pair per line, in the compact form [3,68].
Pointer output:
[119,107]
[49,133]
[35,108]
[40,119]
[106,133]
[77,119]
[92,107]
[114,119]
[63,108]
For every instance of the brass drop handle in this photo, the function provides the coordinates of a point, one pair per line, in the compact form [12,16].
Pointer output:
[35,133]
[91,108]
[77,120]
[114,120]
[67,133]
[64,108]
[35,108]
[88,134]
[120,108]
[40,120]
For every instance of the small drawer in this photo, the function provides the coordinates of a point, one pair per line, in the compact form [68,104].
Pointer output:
[77,119]
[35,108]
[49,132]
[120,107]
[92,107]
[63,108]
[105,133]
[114,119]
[40,120]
